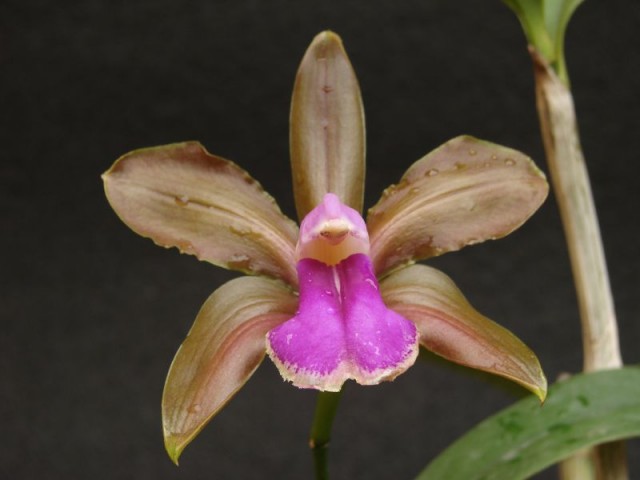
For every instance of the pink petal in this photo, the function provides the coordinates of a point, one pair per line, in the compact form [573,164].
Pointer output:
[342,330]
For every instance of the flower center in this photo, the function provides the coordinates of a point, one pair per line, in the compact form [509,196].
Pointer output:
[332,232]
[342,329]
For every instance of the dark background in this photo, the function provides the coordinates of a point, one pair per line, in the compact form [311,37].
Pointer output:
[92,314]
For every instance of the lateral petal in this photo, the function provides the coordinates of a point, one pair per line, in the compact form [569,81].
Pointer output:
[450,327]
[222,350]
[181,196]
[464,192]
[327,127]
[342,330]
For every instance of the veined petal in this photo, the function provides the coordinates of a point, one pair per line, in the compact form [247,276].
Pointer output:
[342,329]
[327,127]
[464,192]
[181,196]
[450,327]
[222,350]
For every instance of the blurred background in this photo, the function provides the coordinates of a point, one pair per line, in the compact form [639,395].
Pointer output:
[92,314]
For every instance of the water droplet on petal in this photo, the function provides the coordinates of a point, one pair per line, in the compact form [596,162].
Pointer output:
[494,157]
[195,408]
[432,172]
[472,152]
[240,230]
[386,192]
[414,191]
[328,293]
[509,161]
[182,200]
[239,261]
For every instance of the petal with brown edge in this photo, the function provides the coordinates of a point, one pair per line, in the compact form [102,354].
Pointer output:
[464,192]
[222,350]
[181,196]
[327,127]
[450,327]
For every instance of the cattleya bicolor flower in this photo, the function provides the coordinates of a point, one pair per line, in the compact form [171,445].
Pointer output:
[339,298]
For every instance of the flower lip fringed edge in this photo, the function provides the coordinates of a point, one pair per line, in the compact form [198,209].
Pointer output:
[340,298]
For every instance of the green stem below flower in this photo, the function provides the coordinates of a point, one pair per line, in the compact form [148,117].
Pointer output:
[326,407]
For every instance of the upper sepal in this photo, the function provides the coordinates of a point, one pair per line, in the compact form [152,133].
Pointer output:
[181,196]
[464,192]
[450,327]
[327,134]
[222,350]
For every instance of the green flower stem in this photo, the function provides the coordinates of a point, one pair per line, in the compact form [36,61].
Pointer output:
[326,408]
[575,200]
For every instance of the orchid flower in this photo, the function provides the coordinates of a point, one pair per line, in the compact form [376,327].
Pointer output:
[339,298]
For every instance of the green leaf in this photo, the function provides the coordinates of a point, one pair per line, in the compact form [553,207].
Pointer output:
[544,23]
[525,438]
[327,136]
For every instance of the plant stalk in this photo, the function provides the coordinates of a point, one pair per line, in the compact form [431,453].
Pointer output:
[577,210]
[326,407]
